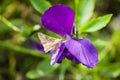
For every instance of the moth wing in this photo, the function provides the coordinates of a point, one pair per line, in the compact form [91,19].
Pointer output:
[49,43]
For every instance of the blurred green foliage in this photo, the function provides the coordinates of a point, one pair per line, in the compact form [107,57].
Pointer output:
[20,18]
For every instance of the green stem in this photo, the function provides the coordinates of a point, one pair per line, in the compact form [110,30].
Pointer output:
[76,32]
[76,6]
[21,49]
[12,65]
[76,12]
[9,24]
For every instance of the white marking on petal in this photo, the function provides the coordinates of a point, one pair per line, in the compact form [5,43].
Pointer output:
[53,58]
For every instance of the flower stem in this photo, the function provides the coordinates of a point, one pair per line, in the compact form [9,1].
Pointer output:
[9,24]
[76,32]
[21,49]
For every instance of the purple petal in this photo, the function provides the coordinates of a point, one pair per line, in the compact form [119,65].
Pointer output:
[59,19]
[83,50]
[58,55]
[37,46]
[69,56]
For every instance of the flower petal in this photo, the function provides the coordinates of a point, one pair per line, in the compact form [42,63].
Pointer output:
[83,50]
[59,19]
[37,46]
[69,56]
[58,55]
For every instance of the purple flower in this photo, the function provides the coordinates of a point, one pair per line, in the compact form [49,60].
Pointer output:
[37,46]
[59,19]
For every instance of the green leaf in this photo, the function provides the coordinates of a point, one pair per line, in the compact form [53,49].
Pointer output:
[33,74]
[40,5]
[96,24]
[83,11]
[43,69]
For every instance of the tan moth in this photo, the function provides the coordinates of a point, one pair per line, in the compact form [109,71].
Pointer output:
[49,43]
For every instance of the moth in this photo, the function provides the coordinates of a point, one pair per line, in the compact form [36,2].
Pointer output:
[49,43]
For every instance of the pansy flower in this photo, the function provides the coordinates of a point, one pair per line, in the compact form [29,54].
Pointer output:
[60,19]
